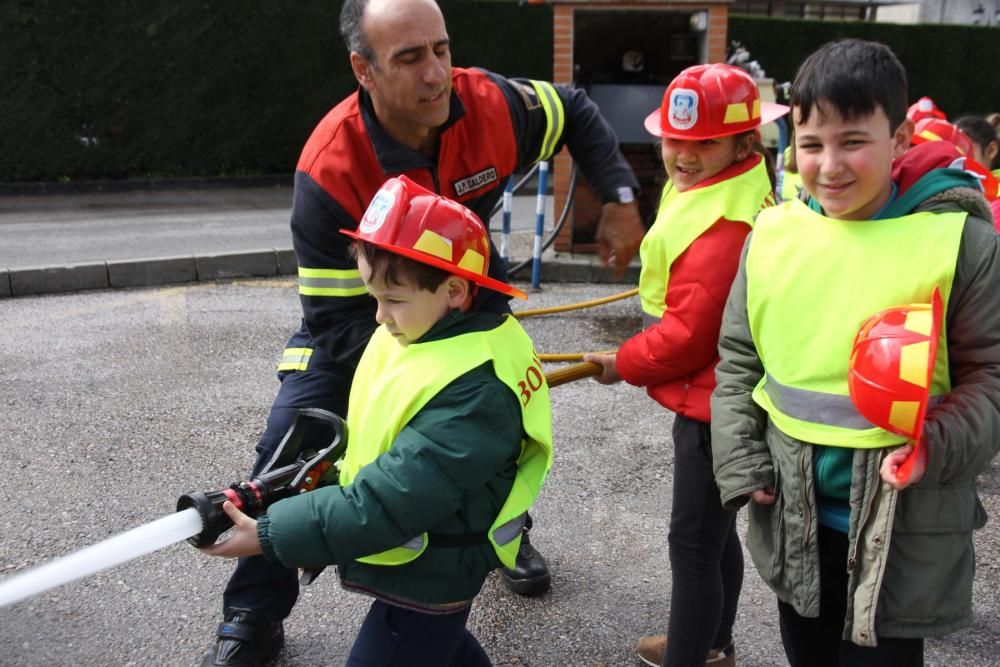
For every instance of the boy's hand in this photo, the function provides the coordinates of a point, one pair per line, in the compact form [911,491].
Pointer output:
[243,541]
[619,233]
[606,361]
[765,496]
[895,458]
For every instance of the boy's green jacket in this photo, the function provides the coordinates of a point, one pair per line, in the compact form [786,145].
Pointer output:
[902,591]
[423,475]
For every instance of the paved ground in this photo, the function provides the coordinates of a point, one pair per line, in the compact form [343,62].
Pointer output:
[115,402]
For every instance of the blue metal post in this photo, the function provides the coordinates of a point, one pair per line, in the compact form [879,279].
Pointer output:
[536,255]
[508,205]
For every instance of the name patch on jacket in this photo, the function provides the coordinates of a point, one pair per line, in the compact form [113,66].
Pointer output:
[469,183]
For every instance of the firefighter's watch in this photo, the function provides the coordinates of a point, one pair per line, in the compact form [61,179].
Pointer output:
[625,195]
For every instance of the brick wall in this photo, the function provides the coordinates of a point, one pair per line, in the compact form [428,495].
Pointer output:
[577,235]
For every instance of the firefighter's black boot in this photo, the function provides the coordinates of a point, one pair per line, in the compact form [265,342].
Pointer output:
[243,640]
[530,575]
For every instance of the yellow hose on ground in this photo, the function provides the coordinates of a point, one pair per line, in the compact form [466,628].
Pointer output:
[521,314]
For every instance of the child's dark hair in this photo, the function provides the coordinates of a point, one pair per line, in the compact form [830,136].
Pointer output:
[854,77]
[983,133]
[396,268]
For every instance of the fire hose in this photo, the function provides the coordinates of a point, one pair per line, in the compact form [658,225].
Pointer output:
[199,518]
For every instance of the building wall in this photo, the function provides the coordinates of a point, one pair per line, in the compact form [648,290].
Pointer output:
[960,12]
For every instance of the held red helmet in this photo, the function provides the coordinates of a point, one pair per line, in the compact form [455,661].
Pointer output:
[924,108]
[711,101]
[892,364]
[935,129]
[412,221]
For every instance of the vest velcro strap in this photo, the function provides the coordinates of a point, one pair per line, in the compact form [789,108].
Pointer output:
[458,541]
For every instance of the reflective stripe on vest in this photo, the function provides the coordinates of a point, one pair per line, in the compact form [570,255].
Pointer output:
[295,359]
[811,282]
[330,282]
[684,216]
[393,383]
[555,117]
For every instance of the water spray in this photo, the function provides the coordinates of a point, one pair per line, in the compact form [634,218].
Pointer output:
[294,468]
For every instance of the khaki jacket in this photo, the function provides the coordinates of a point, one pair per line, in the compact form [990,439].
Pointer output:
[910,556]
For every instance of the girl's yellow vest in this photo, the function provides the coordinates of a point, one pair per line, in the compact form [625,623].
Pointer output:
[684,216]
[393,383]
[811,282]
[791,181]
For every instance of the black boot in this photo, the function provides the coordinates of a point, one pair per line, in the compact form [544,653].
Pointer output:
[530,575]
[244,641]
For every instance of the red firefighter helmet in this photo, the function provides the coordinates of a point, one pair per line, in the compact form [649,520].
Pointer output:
[412,221]
[924,108]
[710,101]
[892,364]
[935,129]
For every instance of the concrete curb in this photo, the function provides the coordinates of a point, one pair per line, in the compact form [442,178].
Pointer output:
[152,271]
[145,272]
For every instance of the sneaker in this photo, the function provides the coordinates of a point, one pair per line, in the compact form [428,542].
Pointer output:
[651,649]
[530,574]
[243,640]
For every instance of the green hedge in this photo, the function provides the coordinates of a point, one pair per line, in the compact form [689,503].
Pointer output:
[113,89]
[955,65]
[116,89]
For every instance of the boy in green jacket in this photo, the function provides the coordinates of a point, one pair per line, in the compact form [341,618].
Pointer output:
[864,566]
[449,441]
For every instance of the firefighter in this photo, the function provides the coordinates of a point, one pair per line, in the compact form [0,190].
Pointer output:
[449,441]
[719,179]
[458,132]
[864,564]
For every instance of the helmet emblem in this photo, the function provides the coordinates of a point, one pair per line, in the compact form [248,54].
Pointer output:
[683,108]
[377,211]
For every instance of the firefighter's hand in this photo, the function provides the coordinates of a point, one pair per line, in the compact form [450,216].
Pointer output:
[619,234]
[243,540]
[765,496]
[609,374]
[895,458]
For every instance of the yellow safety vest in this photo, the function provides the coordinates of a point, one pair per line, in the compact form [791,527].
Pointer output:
[811,282]
[684,216]
[393,383]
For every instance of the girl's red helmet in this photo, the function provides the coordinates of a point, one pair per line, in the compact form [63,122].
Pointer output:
[710,101]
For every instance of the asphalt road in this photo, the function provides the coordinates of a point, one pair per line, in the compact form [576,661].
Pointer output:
[116,402]
[52,230]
